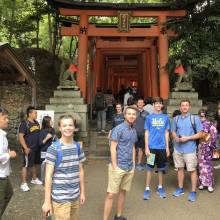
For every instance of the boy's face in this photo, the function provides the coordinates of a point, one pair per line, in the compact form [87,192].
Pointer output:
[130,116]
[140,104]
[184,107]
[158,106]
[118,108]
[33,115]
[3,121]
[66,127]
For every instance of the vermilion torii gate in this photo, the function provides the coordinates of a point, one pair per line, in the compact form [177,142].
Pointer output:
[148,45]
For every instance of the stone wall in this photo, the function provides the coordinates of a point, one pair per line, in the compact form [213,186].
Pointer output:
[15,97]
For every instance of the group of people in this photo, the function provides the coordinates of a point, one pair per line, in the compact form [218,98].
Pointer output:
[193,141]
[134,130]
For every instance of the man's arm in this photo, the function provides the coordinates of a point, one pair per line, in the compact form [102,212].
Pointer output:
[47,206]
[147,150]
[23,143]
[194,137]
[113,153]
[134,156]
[167,143]
[82,184]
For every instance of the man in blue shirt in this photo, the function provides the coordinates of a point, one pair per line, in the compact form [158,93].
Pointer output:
[121,168]
[157,127]
[186,129]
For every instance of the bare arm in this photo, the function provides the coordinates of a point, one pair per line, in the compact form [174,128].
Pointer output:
[192,137]
[167,143]
[82,184]
[147,150]
[23,143]
[134,155]
[47,206]
[113,153]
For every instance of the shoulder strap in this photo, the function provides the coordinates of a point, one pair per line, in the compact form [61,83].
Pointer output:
[176,119]
[78,147]
[192,120]
[58,148]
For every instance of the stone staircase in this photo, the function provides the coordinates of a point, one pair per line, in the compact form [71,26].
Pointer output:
[98,146]
[70,102]
[176,97]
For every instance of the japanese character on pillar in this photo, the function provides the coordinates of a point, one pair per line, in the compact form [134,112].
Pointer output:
[123,21]
[83,30]
[163,29]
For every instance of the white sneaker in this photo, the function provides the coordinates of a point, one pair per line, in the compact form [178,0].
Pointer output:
[217,167]
[24,187]
[36,181]
[210,189]
[201,187]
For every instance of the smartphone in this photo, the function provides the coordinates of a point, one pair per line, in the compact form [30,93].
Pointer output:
[49,217]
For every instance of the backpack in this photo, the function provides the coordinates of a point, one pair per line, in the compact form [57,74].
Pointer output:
[100,102]
[28,128]
[130,100]
[57,144]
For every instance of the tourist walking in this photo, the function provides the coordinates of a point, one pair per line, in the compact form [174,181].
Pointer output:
[6,190]
[110,101]
[118,117]
[29,131]
[157,127]
[121,168]
[100,107]
[46,137]
[206,147]
[139,126]
[186,129]
[64,179]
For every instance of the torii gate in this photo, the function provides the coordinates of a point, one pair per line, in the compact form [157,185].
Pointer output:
[156,38]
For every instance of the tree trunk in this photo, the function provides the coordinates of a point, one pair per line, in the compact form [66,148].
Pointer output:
[37,32]
[12,21]
[50,33]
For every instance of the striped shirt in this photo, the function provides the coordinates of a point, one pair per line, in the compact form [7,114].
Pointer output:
[66,180]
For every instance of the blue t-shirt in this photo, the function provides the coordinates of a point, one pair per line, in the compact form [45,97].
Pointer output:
[157,124]
[183,126]
[126,136]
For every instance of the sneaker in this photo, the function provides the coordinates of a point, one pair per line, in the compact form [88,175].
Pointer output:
[201,187]
[24,187]
[146,194]
[139,167]
[161,192]
[178,192]
[210,189]
[119,218]
[192,196]
[103,131]
[36,181]
[99,132]
[217,167]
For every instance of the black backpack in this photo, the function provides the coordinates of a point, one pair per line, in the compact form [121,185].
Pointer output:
[100,102]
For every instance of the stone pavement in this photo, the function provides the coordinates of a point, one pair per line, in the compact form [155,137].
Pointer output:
[27,206]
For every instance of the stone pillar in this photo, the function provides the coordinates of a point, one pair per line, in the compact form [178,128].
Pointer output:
[154,70]
[83,52]
[163,58]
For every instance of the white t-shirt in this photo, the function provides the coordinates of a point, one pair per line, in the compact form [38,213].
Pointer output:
[4,155]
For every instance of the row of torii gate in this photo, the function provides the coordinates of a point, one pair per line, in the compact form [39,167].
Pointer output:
[147,45]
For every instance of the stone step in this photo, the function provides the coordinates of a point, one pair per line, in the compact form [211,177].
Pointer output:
[67,108]
[67,93]
[176,102]
[63,100]
[183,95]
[194,110]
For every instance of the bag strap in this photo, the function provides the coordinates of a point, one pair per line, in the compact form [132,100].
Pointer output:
[58,146]
[176,119]
[192,120]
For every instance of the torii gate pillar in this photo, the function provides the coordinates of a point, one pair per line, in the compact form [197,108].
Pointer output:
[163,58]
[82,53]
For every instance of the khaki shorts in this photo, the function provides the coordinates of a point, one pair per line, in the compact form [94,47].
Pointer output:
[66,211]
[119,179]
[190,160]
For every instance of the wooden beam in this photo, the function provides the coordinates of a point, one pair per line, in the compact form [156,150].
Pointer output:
[93,31]
[114,13]
[123,44]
